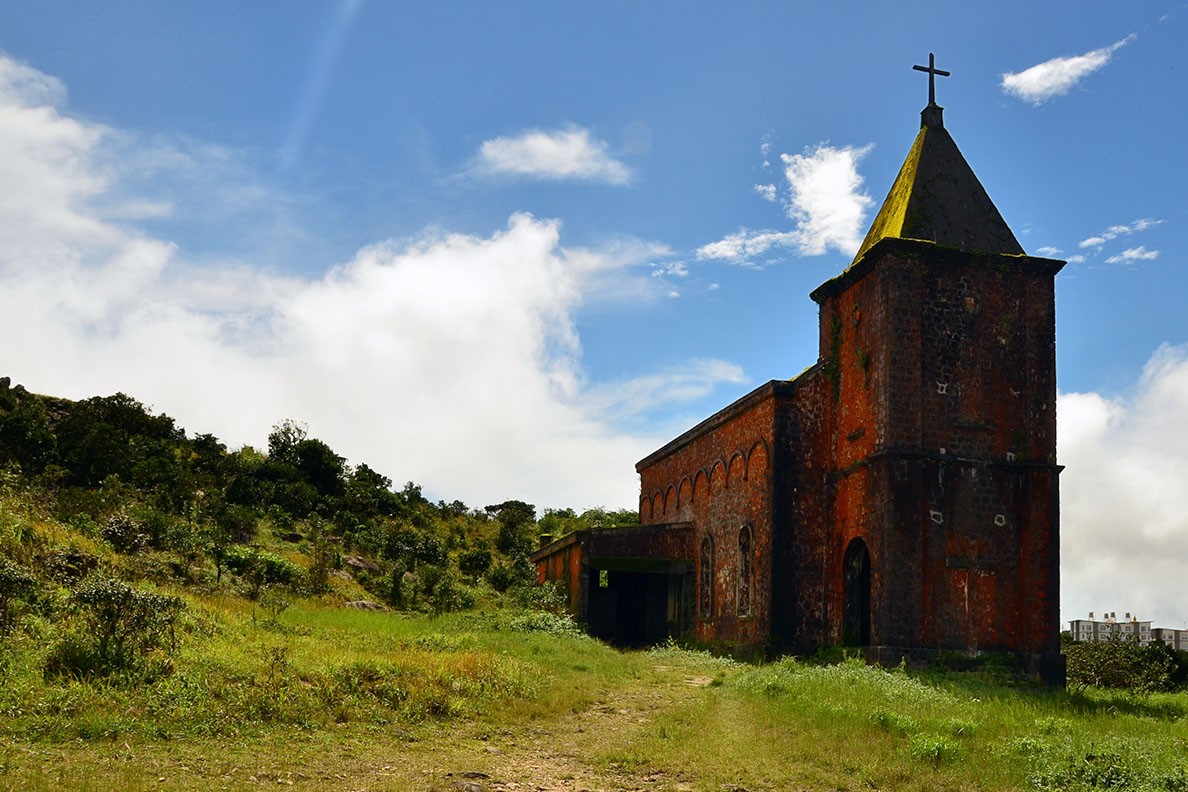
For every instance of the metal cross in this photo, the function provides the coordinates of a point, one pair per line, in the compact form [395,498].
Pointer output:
[932,72]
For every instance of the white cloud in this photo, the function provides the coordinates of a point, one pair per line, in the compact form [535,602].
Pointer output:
[1057,76]
[765,191]
[557,155]
[672,269]
[1077,259]
[1124,506]
[826,198]
[1115,231]
[675,385]
[1049,251]
[1139,253]
[745,244]
[448,359]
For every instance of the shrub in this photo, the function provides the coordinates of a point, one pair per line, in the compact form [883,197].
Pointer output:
[1116,663]
[445,590]
[259,568]
[122,533]
[893,722]
[123,625]
[500,576]
[15,582]
[475,562]
[322,558]
[549,596]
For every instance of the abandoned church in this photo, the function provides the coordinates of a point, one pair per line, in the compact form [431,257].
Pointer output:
[901,494]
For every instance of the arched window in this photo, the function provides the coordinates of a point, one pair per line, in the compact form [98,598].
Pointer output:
[706,593]
[746,570]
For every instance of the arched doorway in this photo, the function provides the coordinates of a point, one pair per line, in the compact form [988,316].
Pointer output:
[856,590]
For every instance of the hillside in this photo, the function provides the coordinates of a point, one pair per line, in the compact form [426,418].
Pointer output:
[174,614]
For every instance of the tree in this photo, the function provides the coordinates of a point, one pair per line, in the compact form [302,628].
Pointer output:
[283,440]
[321,468]
[115,435]
[517,527]
[25,435]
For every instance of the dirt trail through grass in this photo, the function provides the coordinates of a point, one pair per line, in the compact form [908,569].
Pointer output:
[587,749]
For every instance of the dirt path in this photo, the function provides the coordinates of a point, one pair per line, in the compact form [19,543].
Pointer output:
[569,753]
[574,752]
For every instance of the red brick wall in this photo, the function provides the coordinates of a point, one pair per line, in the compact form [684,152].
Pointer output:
[942,370]
[718,477]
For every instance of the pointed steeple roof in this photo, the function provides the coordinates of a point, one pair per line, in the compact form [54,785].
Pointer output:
[937,198]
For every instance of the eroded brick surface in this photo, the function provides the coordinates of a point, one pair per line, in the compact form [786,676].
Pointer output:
[926,429]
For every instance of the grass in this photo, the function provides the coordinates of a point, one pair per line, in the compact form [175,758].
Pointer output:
[321,697]
[290,691]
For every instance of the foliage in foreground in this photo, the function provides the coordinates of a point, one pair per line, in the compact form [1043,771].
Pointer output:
[1125,665]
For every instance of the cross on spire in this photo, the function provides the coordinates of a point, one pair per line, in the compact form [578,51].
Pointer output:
[932,72]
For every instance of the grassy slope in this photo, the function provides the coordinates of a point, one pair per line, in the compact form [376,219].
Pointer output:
[326,698]
[322,697]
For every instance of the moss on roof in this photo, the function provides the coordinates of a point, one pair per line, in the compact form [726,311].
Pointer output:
[937,198]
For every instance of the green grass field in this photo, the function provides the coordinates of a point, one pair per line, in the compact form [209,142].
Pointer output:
[319,697]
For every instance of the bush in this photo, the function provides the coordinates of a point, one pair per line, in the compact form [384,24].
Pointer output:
[122,533]
[549,596]
[475,562]
[123,625]
[15,582]
[1122,664]
[503,575]
[259,568]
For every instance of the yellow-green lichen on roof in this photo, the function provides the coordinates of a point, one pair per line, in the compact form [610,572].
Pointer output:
[937,198]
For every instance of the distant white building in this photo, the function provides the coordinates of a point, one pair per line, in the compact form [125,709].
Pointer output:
[1127,628]
[1176,639]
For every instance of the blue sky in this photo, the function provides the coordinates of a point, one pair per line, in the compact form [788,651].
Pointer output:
[506,250]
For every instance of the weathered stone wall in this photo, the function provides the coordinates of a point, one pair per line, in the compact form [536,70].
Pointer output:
[672,542]
[802,509]
[564,560]
[718,477]
[942,369]
[926,429]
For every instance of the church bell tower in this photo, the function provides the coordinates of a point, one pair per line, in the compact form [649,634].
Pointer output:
[939,344]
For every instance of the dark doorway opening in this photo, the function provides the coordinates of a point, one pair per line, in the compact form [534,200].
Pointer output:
[634,608]
[856,588]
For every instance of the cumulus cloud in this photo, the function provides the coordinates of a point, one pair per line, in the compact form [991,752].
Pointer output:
[557,155]
[1057,76]
[450,359]
[825,200]
[1139,253]
[1124,506]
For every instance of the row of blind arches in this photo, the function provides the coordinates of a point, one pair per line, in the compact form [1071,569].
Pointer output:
[745,580]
